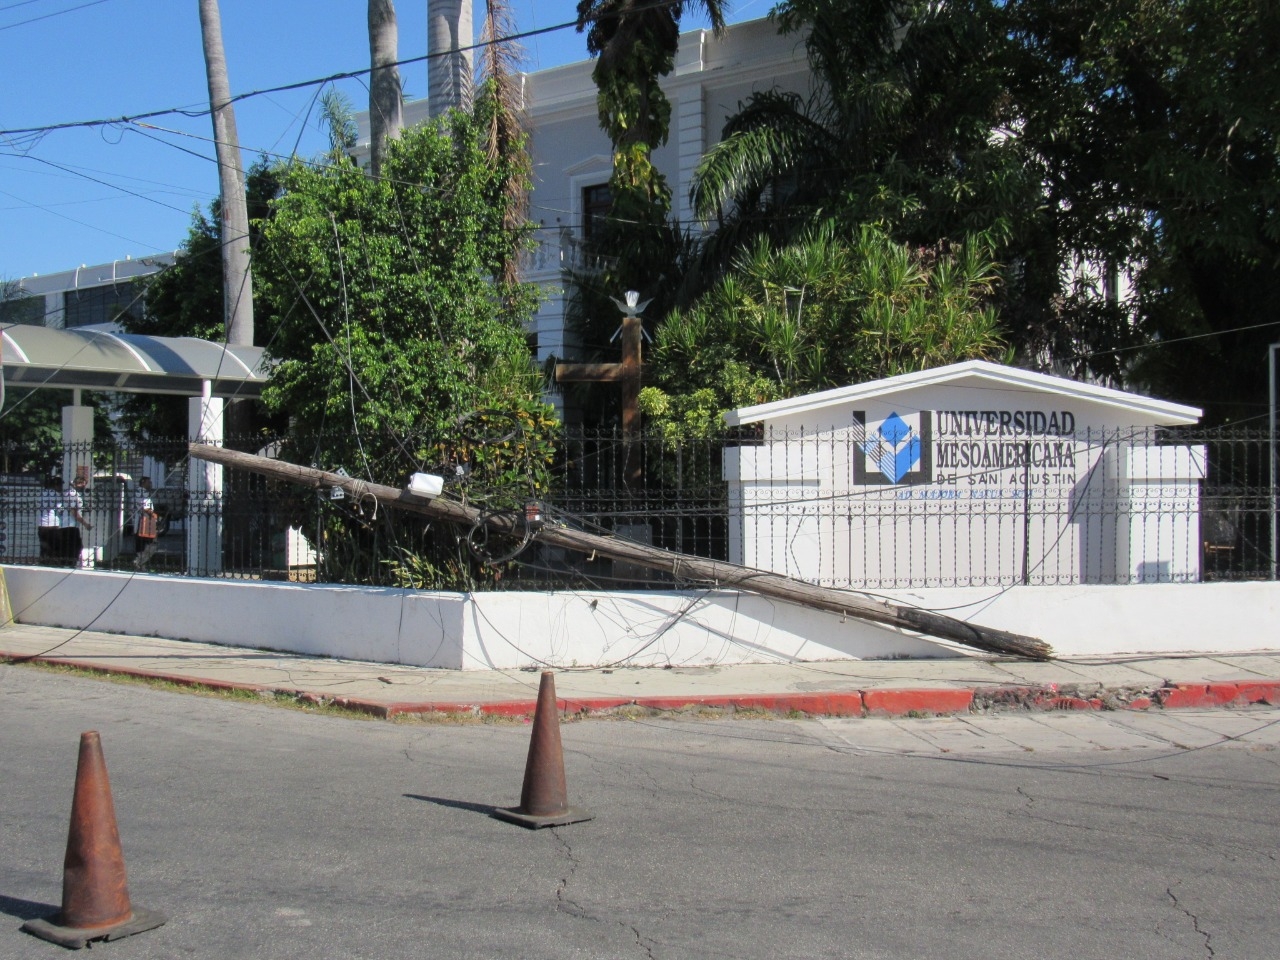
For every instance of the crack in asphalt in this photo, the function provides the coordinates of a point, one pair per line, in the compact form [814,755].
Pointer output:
[1195,921]
[628,769]
[566,904]
[563,902]
[1207,846]
[709,794]
[1214,846]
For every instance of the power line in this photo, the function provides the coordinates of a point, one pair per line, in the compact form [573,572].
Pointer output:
[81,223]
[171,188]
[20,3]
[346,75]
[132,193]
[1163,343]
[57,13]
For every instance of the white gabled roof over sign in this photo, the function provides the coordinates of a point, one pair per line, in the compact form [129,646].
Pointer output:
[994,376]
[35,356]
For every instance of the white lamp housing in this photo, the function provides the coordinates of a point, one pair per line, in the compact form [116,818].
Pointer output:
[426,484]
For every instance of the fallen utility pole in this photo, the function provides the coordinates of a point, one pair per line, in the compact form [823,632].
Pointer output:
[847,603]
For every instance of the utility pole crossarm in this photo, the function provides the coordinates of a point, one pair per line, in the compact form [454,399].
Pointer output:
[589,372]
[848,603]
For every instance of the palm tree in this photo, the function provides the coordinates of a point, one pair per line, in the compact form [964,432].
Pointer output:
[385,96]
[635,43]
[507,140]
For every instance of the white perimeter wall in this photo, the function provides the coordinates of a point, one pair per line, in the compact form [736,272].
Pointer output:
[562,629]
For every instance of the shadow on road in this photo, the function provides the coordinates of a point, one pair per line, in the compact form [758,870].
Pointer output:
[485,808]
[25,909]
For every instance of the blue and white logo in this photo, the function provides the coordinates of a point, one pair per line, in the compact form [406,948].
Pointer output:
[896,450]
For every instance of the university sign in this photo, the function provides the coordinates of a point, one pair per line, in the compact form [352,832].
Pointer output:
[972,474]
[966,448]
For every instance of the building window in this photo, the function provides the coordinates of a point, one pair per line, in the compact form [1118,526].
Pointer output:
[1111,284]
[102,304]
[596,203]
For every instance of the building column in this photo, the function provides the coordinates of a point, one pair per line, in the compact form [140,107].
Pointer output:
[691,144]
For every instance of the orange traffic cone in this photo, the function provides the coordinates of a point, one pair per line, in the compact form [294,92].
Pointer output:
[95,896]
[544,801]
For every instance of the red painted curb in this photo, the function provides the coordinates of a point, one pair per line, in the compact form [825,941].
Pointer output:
[1263,691]
[878,702]
[897,703]
[1241,693]
[1184,695]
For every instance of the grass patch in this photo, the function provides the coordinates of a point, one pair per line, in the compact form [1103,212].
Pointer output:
[459,718]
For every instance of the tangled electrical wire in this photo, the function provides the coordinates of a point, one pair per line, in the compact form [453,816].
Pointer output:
[506,524]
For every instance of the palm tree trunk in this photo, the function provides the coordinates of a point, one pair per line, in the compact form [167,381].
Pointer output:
[500,58]
[385,115]
[237,275]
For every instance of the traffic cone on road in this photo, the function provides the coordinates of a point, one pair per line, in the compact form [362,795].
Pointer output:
[95,895]
[544,800]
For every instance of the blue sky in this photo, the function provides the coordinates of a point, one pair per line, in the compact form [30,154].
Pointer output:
[99,194]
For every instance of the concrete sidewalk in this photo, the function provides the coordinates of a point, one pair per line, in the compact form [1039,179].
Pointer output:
[834,688]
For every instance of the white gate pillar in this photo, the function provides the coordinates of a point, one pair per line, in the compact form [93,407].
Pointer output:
[204,510]
[77,459]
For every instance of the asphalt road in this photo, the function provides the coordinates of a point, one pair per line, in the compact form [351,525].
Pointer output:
[268,833]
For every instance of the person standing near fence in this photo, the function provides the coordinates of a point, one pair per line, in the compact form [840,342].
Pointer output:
[70,520]
[48,525]
[144,524]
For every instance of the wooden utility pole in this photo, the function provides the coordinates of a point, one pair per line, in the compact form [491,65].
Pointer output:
[627,374]
[847,603]
[237,275]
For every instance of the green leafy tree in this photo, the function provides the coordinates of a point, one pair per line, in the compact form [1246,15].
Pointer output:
[389,330]
[635,43]
[914,124]
[1156,127]
[822,312]
[1078,140]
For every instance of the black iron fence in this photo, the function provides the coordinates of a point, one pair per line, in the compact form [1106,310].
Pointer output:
[1093,507]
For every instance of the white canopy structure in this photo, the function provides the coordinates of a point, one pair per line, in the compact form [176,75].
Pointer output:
[35,356]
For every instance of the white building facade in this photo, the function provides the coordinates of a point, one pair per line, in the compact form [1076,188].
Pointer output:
[87,296]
